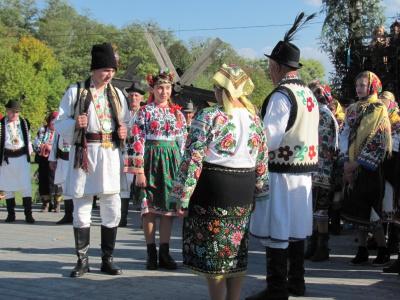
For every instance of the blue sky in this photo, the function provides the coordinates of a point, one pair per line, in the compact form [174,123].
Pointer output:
[252,27]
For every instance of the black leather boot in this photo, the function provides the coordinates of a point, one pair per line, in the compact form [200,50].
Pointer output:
[108,238]
[151,263]
[393,238]
[10,210]
[322,252]
[165,260]
[69,212]
[27,202]
[395,267]
[82,240]
[312,243]
[277,287]
[124,212]
[296,282]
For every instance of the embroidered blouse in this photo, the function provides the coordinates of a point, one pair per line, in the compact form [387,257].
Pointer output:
[234,142]
[327,147]
[43,141]
[152,122]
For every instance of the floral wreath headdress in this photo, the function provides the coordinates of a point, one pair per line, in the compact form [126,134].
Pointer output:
[160,77]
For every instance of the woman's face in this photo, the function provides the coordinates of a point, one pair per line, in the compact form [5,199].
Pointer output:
[362,87]
[332,106]
[162,92]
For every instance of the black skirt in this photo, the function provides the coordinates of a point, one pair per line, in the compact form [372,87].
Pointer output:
[367,193]
[46,179]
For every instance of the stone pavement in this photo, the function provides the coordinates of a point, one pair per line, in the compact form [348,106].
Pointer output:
[36,260]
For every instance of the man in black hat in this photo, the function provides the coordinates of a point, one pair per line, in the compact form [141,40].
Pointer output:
[135,98]
[93,118]
[290,115]
[188,111]
[15,160]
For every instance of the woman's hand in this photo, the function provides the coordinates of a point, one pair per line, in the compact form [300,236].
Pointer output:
[182,212]
[53,165]
[141,180]
[350,167]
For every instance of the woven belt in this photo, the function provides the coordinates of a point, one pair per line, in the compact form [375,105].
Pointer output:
[213,167]
[63,155]
[100,137]
[14,153]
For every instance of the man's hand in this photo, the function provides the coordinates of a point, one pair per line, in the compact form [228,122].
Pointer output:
[81,122]
[122,132]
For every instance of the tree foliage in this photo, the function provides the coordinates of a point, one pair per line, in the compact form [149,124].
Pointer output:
[346,25]
[44,51]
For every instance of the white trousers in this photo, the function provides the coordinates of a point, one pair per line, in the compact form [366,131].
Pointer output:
[24,193]
[110,211]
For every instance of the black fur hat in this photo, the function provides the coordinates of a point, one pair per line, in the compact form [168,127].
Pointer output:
[103,56]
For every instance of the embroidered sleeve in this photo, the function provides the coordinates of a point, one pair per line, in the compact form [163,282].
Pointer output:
[134,162]
[192,161]
[259,141]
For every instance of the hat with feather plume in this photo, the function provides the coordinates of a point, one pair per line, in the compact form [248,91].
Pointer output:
[285,52]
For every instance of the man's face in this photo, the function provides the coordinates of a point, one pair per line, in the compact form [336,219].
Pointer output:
[134,100]
[188,116]
[102,77]
[12,114]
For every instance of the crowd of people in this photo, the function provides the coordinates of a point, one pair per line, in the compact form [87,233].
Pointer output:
[285,174]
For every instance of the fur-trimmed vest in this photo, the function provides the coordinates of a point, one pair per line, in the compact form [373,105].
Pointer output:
[25,127]
[298,151]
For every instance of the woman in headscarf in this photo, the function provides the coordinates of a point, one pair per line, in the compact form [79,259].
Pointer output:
[155,144]
[323,183]
[43,144]
[391,166]
[364,142]
[223,169]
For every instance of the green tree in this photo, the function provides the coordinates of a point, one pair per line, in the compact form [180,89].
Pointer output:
[312,69]
[346,24]
[180,56]
[19,15]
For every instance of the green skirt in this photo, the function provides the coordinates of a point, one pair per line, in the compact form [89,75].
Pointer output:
[161,163]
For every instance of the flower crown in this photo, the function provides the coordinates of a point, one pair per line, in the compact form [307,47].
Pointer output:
[160,77]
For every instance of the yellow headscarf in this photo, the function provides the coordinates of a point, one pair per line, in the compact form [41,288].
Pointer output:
[372,123]
[236,84]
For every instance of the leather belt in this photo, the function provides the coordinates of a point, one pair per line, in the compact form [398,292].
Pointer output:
[14,153]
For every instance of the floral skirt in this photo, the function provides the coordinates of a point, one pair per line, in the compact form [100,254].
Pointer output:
[162,159]
[216,232]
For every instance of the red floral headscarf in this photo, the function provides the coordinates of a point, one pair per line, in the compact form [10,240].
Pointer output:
[375,84]
[50,118]
[321,91]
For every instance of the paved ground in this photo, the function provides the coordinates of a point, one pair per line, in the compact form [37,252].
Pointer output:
[35,262]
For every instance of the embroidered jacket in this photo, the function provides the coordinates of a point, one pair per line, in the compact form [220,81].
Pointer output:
[298,150]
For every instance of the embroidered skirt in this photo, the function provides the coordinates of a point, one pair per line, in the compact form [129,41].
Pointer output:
[322,198]
[216,232]
[162,159]
[362,204]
